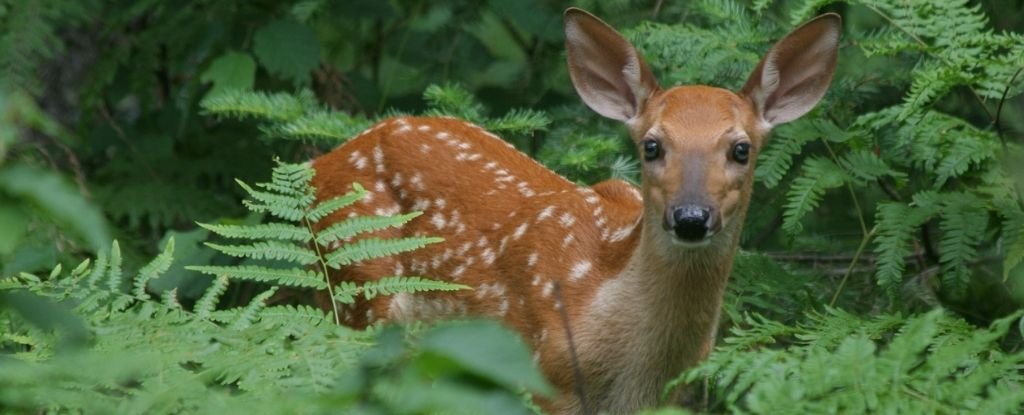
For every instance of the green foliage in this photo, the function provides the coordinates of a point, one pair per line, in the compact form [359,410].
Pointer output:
[838,362]
[290,197]
[899,193]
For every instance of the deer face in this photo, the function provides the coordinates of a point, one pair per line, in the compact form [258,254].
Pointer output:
[697,147]
[698,143]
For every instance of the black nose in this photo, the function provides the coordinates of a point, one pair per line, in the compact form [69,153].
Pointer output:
[691,222]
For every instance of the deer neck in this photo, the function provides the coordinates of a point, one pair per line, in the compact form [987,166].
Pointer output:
[659,315]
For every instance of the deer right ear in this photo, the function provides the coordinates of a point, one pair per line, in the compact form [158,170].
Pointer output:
[606,70]
[796,72]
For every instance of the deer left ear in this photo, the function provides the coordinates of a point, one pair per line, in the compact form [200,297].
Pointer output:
[796,72]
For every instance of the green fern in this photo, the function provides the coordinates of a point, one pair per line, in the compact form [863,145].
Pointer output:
[347,292]
[841,363]
[817,176]
[290,197]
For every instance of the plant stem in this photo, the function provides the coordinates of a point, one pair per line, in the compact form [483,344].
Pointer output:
[323,266]
[849,270]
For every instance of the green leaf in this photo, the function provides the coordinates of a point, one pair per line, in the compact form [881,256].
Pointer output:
[370,248]
[362,224]
[293,277]
[232,70]
[14,223]
[269,250]
[153,269]
[288,49]
[486,349]
[281,231]
[53,196]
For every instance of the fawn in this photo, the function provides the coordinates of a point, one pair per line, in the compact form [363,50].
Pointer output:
[642,270]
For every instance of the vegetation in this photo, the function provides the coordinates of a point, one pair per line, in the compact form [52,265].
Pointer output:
[139,271]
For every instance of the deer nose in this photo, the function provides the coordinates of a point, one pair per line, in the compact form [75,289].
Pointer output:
[691,222]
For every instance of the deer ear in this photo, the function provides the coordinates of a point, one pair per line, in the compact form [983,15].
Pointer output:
[606,70]
[796,72]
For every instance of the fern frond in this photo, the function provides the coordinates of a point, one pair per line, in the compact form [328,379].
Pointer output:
[153,269]
[322,209]
[519,121]
[243,104]
[370,248]
[113,274]
[804,195]
[362,224]
[775,161]
[283,206]
[251,311]
[281,231]
[293,277]
[269,250]
[963,221]
[208,302]
[401,284]
[335,127]
[169,298]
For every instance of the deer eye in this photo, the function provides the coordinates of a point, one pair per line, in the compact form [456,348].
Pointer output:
[741,153]
[652,149]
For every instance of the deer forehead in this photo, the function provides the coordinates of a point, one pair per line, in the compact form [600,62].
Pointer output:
[697,115]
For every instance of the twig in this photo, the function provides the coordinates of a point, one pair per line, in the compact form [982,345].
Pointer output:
[577,373]
[849,270]
[999,109]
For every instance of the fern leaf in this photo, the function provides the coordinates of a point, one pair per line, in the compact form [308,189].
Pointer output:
[114,272]
[370,248]
[1013,238]
[817,176]
[170,299]
[153,269]
[400,284]
[864,166]
[334,127]
[249,104]
[208,302]
[346,292]
[775,161]
[283,206]
[519,121]
[963,221]
[252,310]
[281,231]
[269,250]
[322,209]
[362,224]
[97,270]
[292,277]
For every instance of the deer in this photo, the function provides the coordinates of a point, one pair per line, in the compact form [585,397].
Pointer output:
[638,274]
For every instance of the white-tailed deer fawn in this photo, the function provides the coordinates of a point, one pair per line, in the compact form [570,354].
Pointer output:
[642,270]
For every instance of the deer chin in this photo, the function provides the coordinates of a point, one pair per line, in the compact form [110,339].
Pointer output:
[698,244]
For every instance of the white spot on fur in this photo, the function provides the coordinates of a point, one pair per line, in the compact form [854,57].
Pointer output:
[520,231]
[423,128]
[568,240]
[417,182]
[579,270]
[567,219]
[396,181]
[421,205]
[464,248]
[536,280]
[503,307]
[378,159]
[548,287]
[439,203]
[438,220]
[459,270]
[424,148]
[546,213]
[488,256]
[592,199]
[490,165]
[531,260]
[379,186]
